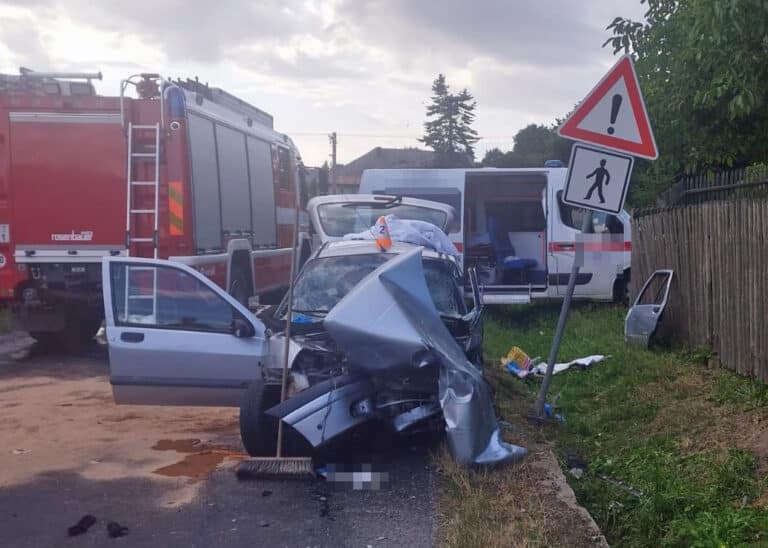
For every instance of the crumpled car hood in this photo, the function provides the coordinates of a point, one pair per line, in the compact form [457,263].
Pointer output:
[387,320]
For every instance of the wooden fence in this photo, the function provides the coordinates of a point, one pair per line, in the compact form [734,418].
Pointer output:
[745,182]
[719,297]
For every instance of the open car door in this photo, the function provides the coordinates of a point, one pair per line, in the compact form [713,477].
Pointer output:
[175,337]
[334,216]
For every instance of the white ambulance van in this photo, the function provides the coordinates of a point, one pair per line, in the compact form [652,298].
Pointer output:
[514,228]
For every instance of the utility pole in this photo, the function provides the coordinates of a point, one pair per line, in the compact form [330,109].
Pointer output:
[332,139]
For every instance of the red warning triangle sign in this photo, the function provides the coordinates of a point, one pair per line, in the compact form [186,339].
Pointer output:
[613,115]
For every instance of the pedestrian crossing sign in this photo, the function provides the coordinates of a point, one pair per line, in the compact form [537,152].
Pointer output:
[598,179]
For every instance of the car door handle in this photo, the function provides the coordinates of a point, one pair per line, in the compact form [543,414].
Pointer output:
[131,337]
[567,246]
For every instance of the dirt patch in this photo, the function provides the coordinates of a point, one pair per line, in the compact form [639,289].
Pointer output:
[750,432]
[72,424]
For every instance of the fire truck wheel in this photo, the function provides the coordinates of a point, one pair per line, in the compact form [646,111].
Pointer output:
[46,339]
[78,333]
[258,431]
[240,288]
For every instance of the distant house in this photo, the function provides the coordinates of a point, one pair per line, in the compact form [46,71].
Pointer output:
[348,175]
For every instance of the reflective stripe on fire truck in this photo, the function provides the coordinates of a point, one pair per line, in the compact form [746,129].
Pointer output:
[175,208]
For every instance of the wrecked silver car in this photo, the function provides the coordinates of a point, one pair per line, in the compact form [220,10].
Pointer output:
[377,336]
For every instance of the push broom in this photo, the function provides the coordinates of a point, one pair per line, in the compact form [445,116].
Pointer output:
[279,466]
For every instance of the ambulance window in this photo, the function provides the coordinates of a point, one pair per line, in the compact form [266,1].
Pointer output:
[602,223]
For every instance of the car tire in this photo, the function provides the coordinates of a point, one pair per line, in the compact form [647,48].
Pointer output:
[621,292]
[258,431]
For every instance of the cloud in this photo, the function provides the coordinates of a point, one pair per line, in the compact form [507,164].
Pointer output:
[22,38]
[354,66]
[531,33]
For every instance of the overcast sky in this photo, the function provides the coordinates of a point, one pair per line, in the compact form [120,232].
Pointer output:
[362,68]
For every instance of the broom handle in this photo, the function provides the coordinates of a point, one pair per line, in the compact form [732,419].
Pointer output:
[288,320]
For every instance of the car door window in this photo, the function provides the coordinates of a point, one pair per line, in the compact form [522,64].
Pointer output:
[164,297]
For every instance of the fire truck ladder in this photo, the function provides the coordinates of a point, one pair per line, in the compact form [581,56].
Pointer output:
[140,299]
[153,158]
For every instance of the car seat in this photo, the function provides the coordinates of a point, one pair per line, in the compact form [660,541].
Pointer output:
[505,253]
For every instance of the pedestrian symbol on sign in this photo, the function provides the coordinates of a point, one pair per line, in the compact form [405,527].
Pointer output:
[597,179]
[599,174]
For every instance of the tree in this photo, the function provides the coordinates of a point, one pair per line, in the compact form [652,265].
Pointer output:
[448,129]
[703,68]
[534,145]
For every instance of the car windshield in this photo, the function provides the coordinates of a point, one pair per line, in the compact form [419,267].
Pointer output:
[345,218]
[325,281]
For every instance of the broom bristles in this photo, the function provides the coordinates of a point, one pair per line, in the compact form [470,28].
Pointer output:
[276,468]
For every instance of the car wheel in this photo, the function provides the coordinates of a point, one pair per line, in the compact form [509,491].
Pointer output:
[621,292]
[258,431]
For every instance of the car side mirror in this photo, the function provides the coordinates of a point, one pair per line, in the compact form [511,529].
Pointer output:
[242,329]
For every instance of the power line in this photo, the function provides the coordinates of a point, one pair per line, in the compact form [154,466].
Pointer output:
[379,136]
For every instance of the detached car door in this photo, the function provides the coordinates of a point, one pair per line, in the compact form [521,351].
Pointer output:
[175,337]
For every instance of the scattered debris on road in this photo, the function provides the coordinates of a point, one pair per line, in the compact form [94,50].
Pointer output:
[82,526]
[115,530]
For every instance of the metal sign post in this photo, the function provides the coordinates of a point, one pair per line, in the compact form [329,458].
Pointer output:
[564,310]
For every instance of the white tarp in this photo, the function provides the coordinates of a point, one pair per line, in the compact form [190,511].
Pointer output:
[412,232]
[541,368]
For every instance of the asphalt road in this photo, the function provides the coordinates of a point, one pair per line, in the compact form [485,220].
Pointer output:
[67,450]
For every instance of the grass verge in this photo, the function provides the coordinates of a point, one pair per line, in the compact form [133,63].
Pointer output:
[692,441]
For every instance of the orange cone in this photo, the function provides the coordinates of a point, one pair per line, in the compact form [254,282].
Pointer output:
[382,234]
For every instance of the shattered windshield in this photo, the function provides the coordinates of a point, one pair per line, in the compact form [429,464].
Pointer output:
[325,281]
[345,218]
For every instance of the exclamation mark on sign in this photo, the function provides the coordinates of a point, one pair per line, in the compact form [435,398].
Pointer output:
[615,106]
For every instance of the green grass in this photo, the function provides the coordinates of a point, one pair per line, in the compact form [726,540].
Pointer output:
[658,421]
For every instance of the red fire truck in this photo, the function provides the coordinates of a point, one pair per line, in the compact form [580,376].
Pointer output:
[169,169]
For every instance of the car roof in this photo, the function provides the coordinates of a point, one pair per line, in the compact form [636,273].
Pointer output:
[366,247]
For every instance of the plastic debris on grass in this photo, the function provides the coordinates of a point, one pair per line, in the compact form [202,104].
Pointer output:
[521,365]
[518,362]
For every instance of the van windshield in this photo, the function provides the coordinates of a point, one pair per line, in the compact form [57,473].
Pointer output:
[339,219]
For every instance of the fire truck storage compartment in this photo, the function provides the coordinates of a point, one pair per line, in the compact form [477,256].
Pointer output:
[232,185]
[505,228]
[68,173]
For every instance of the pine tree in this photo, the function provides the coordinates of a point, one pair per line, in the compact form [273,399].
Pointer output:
[448,129]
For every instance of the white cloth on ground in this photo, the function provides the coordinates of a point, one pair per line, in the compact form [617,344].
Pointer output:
[541,368]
